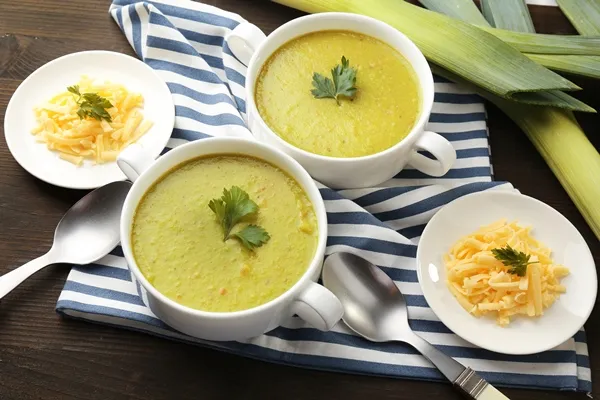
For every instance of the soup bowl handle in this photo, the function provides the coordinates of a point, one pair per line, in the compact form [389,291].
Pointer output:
[133,161]
[243,41]
[441,149]
[318,306]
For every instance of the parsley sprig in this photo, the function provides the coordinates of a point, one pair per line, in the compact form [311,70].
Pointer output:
[91,105]
[343,83]
[516,260]
[233,206]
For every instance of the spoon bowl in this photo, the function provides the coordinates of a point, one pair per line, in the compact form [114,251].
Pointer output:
[90,229]
[86,233]
[375,308]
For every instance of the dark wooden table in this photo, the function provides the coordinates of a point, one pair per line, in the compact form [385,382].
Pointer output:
[43,356]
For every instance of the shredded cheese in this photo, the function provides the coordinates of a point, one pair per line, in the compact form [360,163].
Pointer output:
[482,284]
[75,139]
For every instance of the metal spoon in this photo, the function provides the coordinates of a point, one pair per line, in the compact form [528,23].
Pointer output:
[86,233]
[375,309]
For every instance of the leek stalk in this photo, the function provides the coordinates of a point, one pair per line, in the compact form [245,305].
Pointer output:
[562,143]
[564,146]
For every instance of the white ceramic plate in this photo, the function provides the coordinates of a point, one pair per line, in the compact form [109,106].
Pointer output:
[523,335]
[53,78]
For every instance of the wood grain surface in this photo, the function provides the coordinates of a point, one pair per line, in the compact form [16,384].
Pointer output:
[44,356]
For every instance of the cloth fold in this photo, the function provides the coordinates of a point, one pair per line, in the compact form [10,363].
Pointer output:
[184,42]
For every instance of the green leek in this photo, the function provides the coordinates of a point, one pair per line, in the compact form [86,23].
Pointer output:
[562,143]
[512,15]
[583,14]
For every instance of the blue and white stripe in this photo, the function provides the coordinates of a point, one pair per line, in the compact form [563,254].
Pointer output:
[183,41]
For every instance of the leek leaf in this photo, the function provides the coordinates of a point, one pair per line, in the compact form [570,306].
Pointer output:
[580,65]
[526,42]
[512,15]
[552,98]
[464,10]
[505,11]
[583,14]
[549,44]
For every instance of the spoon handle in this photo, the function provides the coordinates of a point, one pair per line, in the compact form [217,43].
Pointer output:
[14,278]
[469,383]
[475,387]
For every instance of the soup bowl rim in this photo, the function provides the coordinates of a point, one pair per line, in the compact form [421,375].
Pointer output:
[423,77]
[285,163]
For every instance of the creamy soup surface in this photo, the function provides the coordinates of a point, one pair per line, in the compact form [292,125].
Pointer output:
[381,114]
[178,242]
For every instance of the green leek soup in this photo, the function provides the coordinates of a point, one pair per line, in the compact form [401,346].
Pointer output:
[382,112]
[178,241]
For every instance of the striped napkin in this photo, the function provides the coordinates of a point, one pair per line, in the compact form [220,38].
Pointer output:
[183,42]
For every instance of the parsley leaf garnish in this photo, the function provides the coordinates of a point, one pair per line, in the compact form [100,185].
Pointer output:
[516,260]
[230,209]
[343,83]
[252,236]
[91,105]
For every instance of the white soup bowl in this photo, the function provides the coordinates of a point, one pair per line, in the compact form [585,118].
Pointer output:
[306,298]
[253,48]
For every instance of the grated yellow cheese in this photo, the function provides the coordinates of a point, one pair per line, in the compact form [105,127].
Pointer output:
[482,284]
[75,139]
